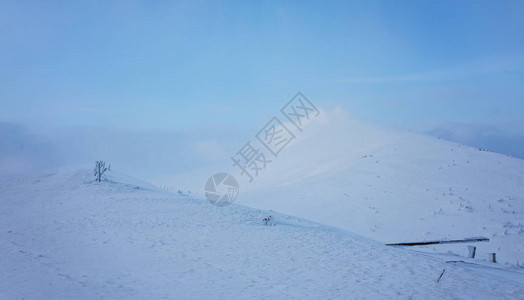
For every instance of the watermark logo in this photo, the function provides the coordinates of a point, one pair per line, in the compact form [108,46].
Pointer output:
[250,160]
[299,110]
[275,136]
[221,189]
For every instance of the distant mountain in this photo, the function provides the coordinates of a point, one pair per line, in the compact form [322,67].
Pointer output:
[390,185]
[397,186]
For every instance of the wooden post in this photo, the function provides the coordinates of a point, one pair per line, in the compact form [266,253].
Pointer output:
[493,257]
[98,172]
[472,250]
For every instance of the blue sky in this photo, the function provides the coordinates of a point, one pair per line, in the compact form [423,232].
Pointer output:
[450,68]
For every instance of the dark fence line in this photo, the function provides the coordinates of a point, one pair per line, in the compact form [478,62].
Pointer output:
[468,240]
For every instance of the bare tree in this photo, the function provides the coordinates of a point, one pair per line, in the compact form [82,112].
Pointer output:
[100,168]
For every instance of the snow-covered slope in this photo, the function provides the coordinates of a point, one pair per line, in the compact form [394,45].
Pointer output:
[398,187]
[64,236]
[391,186]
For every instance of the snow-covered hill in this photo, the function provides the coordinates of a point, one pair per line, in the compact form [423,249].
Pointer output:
[64,236]
[391,186]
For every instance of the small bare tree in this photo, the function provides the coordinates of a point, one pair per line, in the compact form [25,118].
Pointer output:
[100,168]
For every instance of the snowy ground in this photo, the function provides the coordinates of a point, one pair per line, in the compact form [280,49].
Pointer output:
[64,236]
[391,186]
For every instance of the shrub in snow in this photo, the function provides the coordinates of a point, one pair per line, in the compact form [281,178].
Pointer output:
[182,193]
[268,221]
